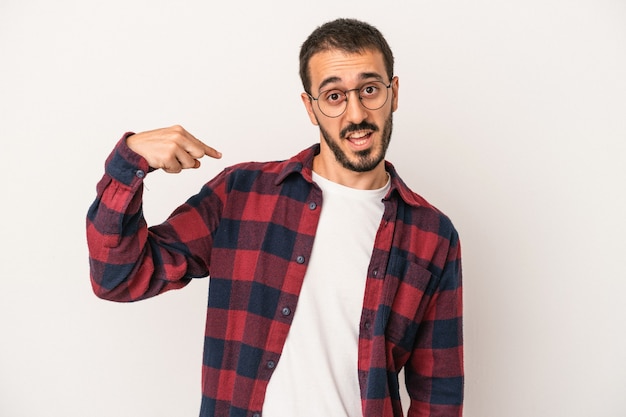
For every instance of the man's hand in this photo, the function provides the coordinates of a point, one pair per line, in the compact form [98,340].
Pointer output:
[171,149]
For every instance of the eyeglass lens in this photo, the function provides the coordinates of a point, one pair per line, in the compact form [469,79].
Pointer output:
[334,102]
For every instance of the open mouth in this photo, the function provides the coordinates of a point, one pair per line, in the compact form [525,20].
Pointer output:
[359,138]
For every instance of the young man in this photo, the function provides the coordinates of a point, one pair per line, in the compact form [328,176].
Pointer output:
[327,274]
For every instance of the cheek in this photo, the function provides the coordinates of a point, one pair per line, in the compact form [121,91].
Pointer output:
[332,128]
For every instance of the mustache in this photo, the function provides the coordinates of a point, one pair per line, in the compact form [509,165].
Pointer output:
[354,128]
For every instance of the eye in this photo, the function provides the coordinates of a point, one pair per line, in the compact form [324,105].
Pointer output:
[369,90]
[333,97]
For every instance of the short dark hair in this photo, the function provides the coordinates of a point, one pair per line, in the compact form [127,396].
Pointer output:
[348,35]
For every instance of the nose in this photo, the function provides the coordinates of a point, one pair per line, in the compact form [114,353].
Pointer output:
[355,111]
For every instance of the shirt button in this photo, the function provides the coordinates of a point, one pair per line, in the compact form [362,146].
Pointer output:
[375,272]
[140,173]
[367,325]
[300,259]
[271,364]
[256,415]
[312,205]
[286,311]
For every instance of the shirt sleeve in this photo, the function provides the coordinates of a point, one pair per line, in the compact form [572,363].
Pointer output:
[435,371]
[129,261]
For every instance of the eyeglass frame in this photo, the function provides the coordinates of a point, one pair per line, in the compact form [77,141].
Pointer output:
[345,93]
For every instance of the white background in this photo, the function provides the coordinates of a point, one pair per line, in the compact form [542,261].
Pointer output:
[512,120]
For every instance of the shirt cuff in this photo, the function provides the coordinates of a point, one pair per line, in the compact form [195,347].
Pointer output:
[125,165]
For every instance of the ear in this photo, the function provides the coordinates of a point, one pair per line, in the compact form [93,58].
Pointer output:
[395,84]
[308,104]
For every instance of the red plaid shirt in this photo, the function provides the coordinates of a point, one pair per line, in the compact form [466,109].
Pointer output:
[252,228]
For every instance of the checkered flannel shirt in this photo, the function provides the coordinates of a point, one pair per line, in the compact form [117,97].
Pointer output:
[251,228]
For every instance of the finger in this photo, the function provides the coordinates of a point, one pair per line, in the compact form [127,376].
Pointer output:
[172,167]
[197,149]
[186,160]
[212,152]
[177,162]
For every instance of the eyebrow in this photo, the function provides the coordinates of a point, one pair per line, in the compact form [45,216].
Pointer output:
[362,76]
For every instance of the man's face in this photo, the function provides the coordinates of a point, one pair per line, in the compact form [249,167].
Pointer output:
[358,138]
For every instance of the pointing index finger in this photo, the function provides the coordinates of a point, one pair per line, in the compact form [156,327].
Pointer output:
[213,153]
[202,148]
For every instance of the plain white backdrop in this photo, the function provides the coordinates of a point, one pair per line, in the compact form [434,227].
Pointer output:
[511,119]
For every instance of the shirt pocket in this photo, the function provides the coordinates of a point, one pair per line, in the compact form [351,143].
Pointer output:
[408,290]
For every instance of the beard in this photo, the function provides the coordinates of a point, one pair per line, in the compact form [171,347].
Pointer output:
[368,159]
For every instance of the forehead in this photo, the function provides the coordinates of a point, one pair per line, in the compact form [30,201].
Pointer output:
[335,67]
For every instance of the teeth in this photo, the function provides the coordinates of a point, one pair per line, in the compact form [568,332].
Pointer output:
[358,135]
[358,138]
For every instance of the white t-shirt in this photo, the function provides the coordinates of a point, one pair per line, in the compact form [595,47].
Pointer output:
[317,374]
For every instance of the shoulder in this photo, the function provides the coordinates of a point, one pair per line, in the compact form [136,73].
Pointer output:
[244,175]
[415,211]
[247,175]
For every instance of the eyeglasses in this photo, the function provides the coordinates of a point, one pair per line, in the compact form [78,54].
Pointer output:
[334,102]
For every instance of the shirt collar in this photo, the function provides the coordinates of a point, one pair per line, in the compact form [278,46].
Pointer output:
[302,164]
